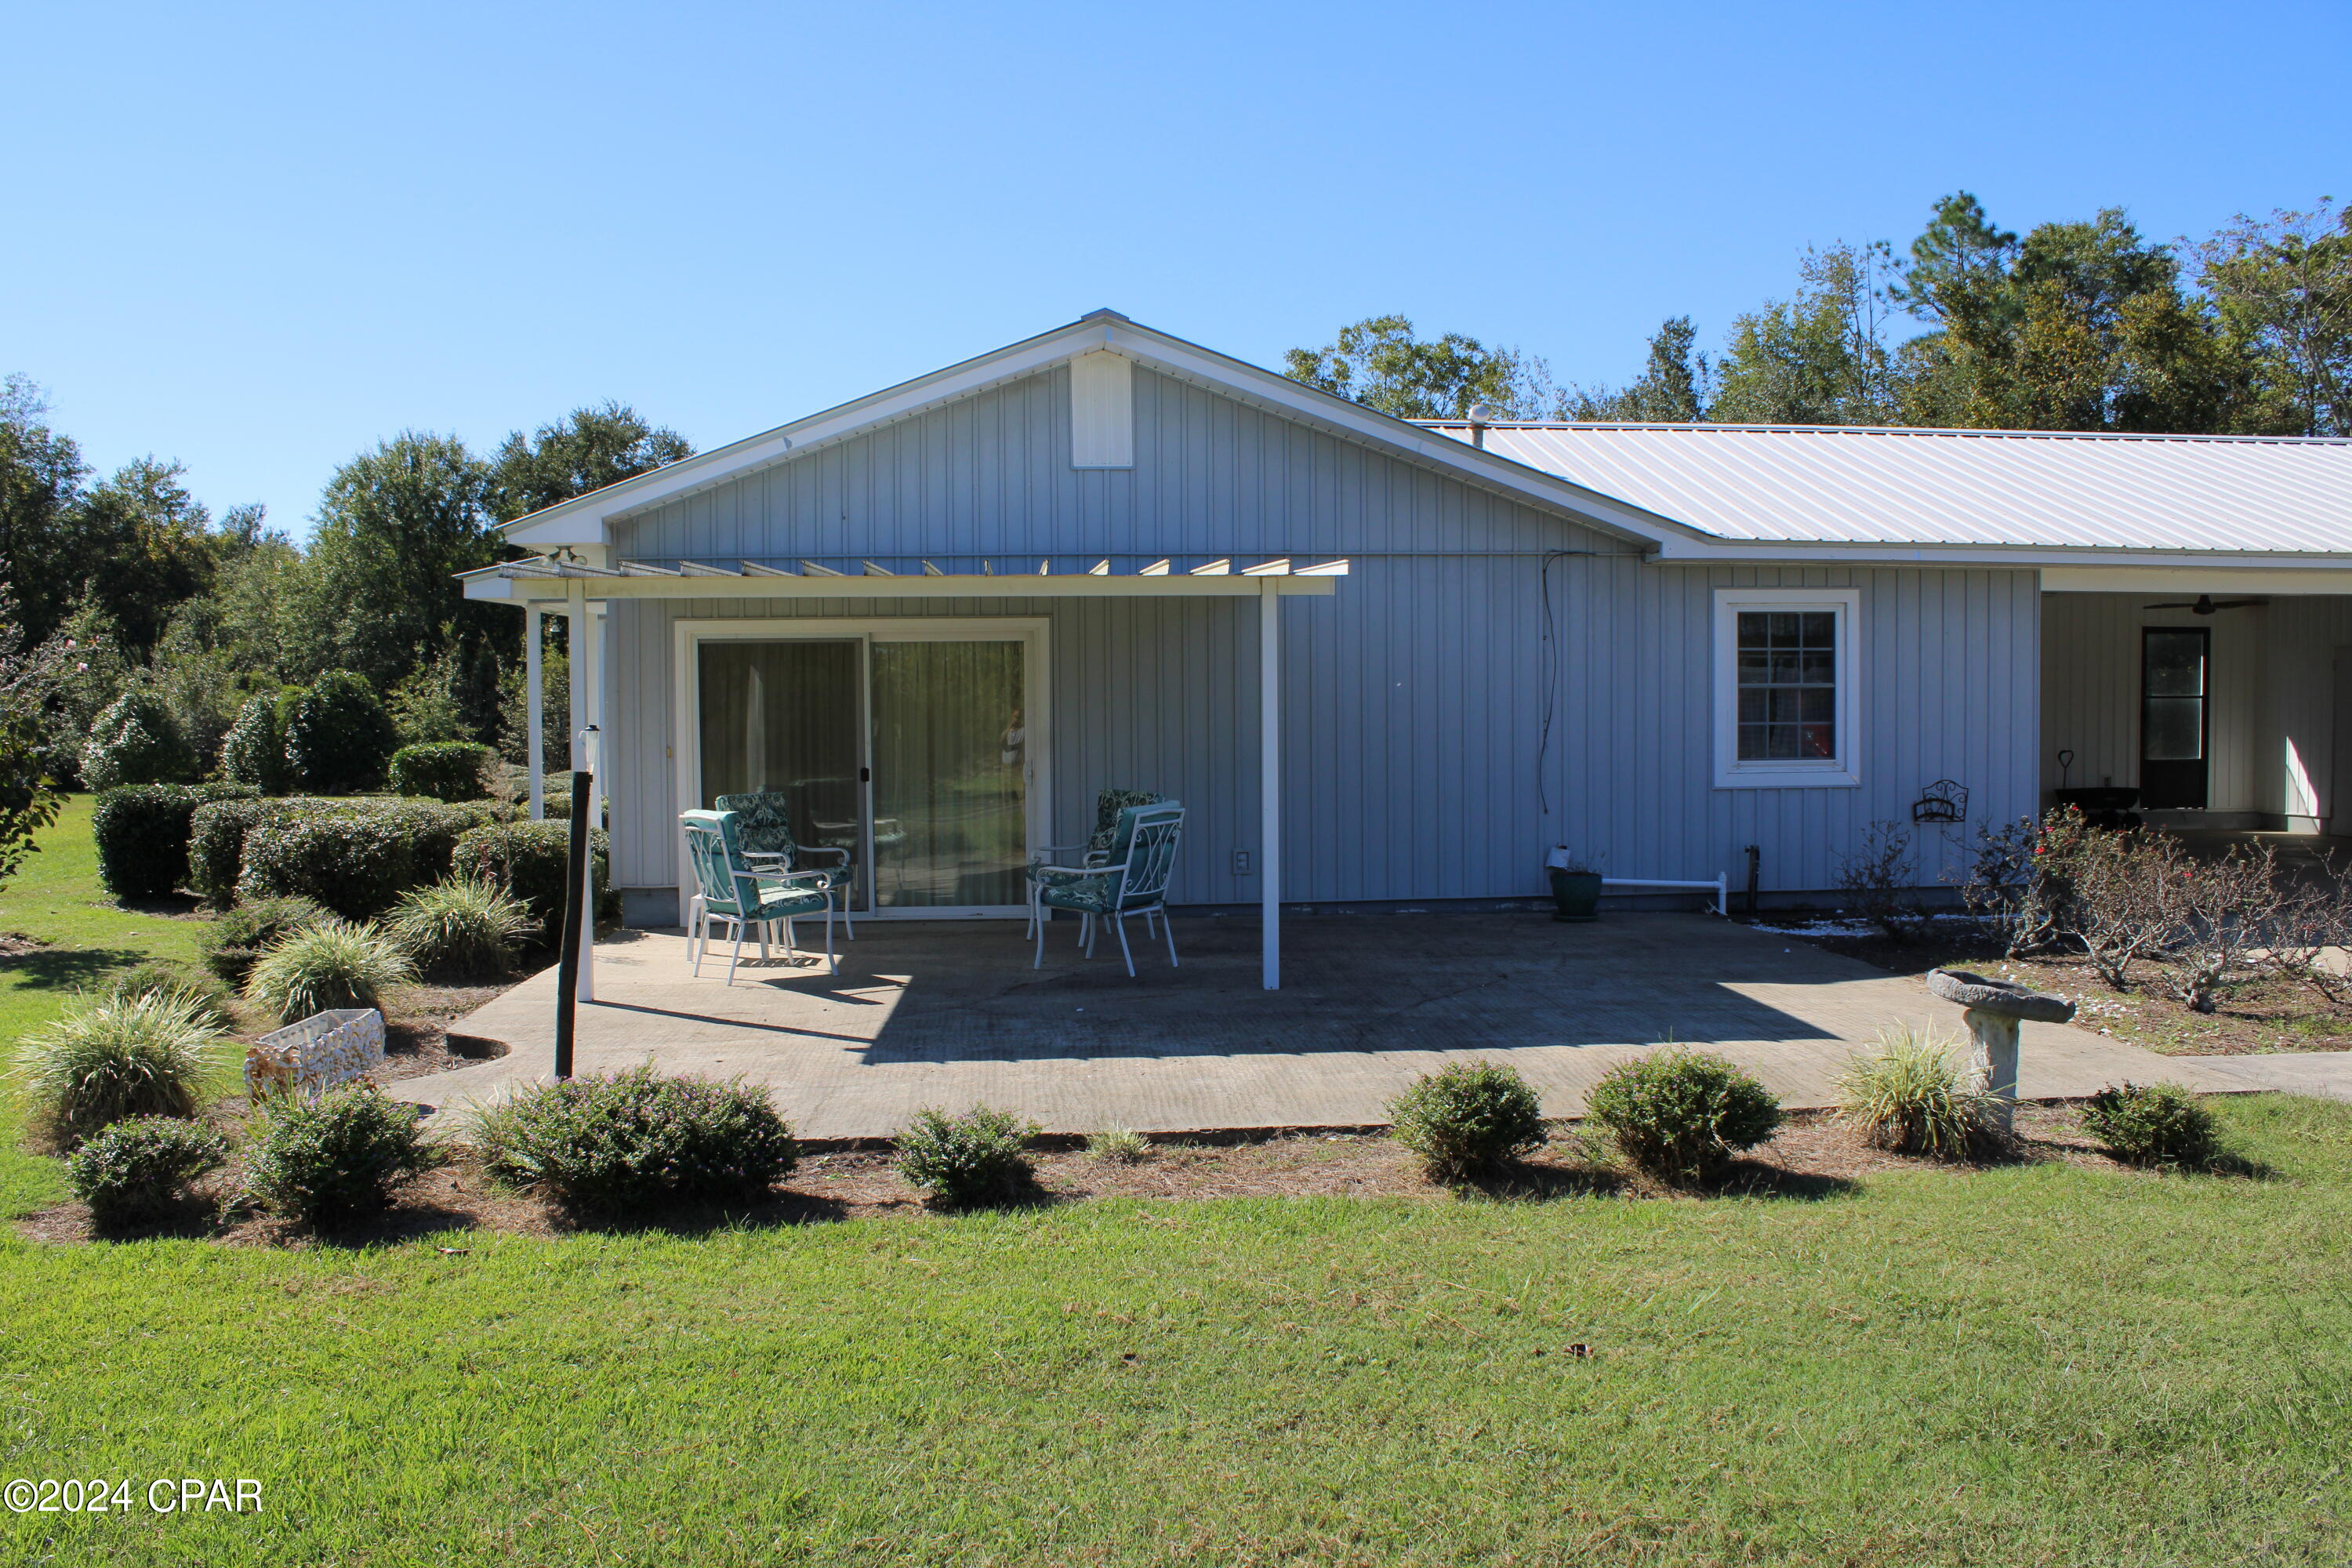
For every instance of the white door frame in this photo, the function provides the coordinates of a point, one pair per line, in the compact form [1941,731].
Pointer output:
[1033,631]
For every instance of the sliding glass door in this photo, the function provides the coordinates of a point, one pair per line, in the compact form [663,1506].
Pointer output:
[909,747]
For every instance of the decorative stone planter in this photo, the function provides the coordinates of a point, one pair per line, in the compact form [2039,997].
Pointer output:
[1575,895]
[1995,1008]
[316,1055]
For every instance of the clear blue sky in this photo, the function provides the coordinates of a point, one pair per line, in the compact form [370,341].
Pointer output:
[259,240]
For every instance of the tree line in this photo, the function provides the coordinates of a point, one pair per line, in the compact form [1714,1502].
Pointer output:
[128,584]
[2077,325]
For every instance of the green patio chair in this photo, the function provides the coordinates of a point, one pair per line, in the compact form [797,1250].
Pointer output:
[1095,851]
[763,826]
[729,890]
[1135,883]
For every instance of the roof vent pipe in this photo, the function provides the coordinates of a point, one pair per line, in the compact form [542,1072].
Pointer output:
[1481,415]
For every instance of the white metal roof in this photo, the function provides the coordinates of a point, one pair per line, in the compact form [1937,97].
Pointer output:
[1831,485]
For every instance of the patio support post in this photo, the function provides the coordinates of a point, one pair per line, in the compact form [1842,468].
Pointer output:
[534,678]
[1269,702]
[585,764]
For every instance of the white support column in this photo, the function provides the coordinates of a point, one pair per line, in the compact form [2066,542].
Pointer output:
[535,704]
[1269,703]
[582,638]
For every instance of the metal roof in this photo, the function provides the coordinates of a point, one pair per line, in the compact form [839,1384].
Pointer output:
[1835,485]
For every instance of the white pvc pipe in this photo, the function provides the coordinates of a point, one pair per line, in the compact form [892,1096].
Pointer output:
[1269,670]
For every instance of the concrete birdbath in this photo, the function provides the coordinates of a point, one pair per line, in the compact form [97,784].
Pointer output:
[1995,1008]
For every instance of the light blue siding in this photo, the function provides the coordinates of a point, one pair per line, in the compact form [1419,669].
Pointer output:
[1413,695]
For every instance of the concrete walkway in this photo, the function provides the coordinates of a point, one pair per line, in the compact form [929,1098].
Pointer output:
[941,1014]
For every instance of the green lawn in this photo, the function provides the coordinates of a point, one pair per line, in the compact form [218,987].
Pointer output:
[2044,1365]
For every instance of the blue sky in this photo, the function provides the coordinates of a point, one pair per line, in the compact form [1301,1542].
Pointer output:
[259,240]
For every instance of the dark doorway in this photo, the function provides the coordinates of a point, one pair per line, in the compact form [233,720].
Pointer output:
[2175,716]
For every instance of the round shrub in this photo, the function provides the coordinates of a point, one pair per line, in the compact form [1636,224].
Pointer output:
[638,1138]
[332,962]
[1468,1116]
[446,770]
[338,735]
[2153,1124]
[1910,1095]
[963,1161]
[110,1058]
[527,859]
[134,741]
[337,1158]
[140,1167]
[142,832]
[237,937]
[1682,1114]
[254,750]
[463,925]
[207,995]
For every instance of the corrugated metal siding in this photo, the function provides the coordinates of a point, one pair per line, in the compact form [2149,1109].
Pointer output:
[1413,695]
[1953,486]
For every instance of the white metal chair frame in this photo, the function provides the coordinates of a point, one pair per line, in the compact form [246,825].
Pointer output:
[750,894]
[1139,886]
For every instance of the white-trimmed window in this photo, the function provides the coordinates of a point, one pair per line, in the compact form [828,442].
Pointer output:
[1786,703]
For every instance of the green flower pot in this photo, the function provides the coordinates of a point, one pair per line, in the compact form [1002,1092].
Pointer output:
[1576,895]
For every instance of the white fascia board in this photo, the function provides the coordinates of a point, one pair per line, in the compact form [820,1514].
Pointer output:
[1007,585]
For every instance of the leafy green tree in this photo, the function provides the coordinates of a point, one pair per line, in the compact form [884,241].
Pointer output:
[584,451]
[1380,363]
[136,742]
[1820,358]
[41,478]
[338,736]
[1672,389]
[144,545]
[28,794]
[2282,287]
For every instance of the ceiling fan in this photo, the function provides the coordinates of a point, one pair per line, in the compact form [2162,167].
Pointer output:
[2206,604]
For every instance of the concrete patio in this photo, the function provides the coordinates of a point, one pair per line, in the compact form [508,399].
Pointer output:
[949,1014]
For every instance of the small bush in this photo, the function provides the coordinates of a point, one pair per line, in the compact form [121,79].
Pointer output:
[1468,1116]
[206,994]
[338,1158]
[2152,1124]
[254,750]
[1118,1146]
[142,833]
[357,861]
[338,736]
[463,925]
[332,963]
[1682,1115]
[110,1058]
[135,740]
[638,1138]
[527,859]
[963,1161]
[446,770]
[1910,1095]
[140,1167]
[237,938]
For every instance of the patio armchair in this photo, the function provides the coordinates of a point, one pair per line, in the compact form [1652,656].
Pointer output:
[1135,883]
[763,826]
[1095,851]
[727,889]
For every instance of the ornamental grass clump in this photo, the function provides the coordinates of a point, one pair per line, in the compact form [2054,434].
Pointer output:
[209,996]
[2153,1124]
[461,925]
[1117,1146]
[639,1138]
[140,1167]
[333,962]
[1912,1096]
[237,938]
[1683,1115]
[338,1158]
[966,1161]
[1468,1118]
[114,1057]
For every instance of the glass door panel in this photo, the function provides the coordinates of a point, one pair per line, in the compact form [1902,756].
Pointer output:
[784,716]
[2174,718]
[951,774]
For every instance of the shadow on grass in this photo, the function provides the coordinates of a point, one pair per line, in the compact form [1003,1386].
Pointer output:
[784,1211]
[70,968]
[1539,1182]
[1754,1179]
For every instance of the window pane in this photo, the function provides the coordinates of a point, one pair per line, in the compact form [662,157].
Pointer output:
[1819,705]
[1753,746]
[1754,628]
[1784,743]
[2176,664]
[949,755]
[1818,668]
[1820,628]
[1784,629]
[1752,706]
[2175,728]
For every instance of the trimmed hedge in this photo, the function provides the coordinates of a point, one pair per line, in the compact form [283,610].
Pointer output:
[142,833]
[526,858]
[444,770]
[135,740]
[638,1139]
[338,735]
[356,863]
[216,836]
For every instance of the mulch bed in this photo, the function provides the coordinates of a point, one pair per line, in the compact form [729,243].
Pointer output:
[1812,1157]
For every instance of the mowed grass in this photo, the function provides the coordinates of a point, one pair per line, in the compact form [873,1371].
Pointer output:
[2043,1364]
[57,899]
